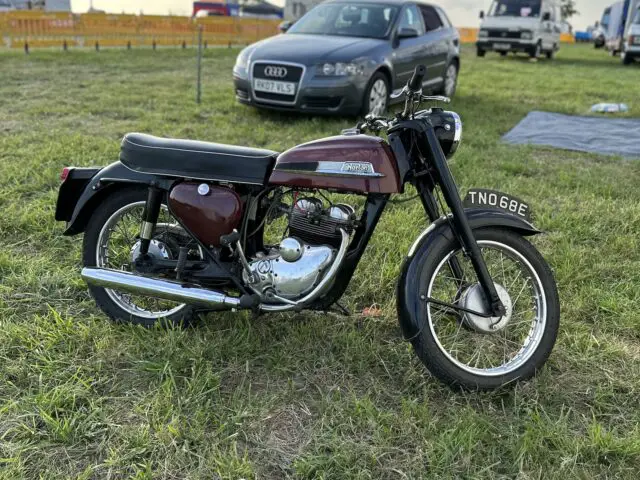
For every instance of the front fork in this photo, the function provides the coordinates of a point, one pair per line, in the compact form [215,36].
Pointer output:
[460,223]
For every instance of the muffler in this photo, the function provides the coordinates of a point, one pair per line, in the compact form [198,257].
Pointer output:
[165,289]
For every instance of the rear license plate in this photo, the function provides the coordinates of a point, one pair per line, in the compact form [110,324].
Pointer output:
[481,198]
[274,86]
[501,46]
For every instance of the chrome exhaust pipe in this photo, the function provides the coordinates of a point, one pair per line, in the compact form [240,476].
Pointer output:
[164,289]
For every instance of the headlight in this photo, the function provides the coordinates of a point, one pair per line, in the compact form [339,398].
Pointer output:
[526,35]
[242,63]
[483,33]
[340,69]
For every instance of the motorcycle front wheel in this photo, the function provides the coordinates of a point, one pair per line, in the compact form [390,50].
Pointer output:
[468,351]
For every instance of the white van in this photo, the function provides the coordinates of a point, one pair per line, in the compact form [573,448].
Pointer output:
[631,45]
[528,26]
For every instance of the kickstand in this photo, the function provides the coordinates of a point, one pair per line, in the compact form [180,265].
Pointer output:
[342,309]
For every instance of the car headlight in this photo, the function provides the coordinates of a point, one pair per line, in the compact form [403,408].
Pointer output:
[340,69]
[526,35]
[242,63]
[483,33]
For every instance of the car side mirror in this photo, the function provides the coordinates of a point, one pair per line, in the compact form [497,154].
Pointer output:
[546,17]
[407,32]
[481,14]
[284,26]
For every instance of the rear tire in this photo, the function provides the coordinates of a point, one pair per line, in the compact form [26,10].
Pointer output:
[450,84]
[106,210]
[431,349]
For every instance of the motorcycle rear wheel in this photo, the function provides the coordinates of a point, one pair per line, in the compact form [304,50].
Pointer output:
[464,351]
[121,213]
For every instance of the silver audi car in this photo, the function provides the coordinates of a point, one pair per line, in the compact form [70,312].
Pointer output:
[348,57]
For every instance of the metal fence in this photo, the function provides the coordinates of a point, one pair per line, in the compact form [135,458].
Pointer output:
[33,29]
[37,29]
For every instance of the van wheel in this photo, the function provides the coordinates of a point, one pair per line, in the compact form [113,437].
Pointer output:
[503,54]
[627,59]
[480,52]
[536,51]
[550,54]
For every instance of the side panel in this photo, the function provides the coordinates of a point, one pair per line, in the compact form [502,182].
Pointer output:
[410,306]
[207,215]
[349,163]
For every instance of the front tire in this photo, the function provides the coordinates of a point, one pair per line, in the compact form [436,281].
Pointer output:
[536,51]
[626,59]
[521,343]
[376,98]
[119,307]
[480,52]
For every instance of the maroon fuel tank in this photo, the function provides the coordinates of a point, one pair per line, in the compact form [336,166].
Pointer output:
[209,211]
[349,163]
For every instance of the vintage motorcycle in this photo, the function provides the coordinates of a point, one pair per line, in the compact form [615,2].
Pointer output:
[177,227]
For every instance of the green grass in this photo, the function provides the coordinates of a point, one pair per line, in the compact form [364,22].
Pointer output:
[307,395]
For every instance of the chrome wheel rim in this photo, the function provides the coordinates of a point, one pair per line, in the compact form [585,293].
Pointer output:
[516,341]
[451,81]
[378,97]
[117,243]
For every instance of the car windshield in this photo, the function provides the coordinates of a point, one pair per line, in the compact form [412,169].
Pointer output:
[515,8]
[347,19]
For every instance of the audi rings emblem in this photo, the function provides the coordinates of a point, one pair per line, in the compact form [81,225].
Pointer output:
[277,72]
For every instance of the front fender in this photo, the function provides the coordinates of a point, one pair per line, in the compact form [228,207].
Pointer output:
[410,306]
[108,180]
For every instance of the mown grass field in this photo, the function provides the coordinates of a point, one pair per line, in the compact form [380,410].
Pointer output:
[308,395]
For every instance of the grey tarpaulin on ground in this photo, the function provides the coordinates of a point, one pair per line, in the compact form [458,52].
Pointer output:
[606,136]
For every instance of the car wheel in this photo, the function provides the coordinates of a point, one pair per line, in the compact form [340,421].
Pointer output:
[377,95]
[450,81]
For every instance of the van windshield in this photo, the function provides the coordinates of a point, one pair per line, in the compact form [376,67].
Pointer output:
[636,21]
[515,8]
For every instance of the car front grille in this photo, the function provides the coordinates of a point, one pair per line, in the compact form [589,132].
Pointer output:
[278,72]
[504,34]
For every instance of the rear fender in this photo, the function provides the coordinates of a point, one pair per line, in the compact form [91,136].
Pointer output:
[411,308]
[102,184]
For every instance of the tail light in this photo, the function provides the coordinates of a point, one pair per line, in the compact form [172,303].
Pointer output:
[65,173]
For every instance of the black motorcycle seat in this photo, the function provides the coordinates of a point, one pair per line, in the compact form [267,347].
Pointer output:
[194,159]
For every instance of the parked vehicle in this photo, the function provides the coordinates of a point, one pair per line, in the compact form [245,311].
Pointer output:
[179,226]
[631,45]
[609,27]
[521,26]
[347,57]
[621,21]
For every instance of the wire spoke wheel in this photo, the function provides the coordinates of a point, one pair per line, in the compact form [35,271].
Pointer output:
[119,243]
[496,346]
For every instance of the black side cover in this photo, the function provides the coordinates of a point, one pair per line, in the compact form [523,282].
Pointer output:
[194,159]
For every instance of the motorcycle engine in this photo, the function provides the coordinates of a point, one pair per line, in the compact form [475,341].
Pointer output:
[300,261]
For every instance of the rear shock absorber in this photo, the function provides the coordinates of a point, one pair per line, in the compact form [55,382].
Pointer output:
[150,218]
